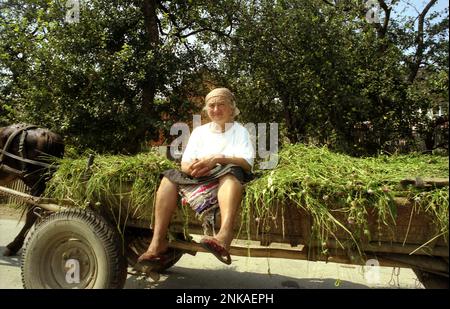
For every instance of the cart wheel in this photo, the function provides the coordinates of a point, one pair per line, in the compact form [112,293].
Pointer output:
[137,245]
[431,280]
[74,249]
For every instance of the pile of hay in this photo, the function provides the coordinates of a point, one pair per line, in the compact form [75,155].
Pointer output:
[112,180]
[324,183]
[308,177]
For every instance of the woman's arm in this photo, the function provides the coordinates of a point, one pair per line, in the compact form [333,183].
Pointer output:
[202,167]
[234,160]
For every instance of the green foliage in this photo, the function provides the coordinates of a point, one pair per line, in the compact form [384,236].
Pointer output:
[129,69]
[95,81]
[323,71]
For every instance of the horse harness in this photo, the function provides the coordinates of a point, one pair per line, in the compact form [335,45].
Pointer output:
[23,160]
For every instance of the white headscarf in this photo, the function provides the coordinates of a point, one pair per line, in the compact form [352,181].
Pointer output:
[225,93]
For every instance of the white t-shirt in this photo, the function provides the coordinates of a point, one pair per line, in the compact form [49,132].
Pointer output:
[234,142]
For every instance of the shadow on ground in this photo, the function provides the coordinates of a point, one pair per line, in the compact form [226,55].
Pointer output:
[180,277]
[13,261]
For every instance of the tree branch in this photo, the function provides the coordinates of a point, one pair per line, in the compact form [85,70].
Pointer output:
[202,30]
[173,19]
[161,31]
[179,31]
[418,57]
[328,2]
[287,48]
[387,12]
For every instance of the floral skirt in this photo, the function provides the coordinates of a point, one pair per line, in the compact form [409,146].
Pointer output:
[201,193]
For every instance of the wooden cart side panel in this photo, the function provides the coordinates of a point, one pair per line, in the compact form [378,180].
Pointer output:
[289,224]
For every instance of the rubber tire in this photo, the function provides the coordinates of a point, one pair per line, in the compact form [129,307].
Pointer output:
[74,234]
[138,241]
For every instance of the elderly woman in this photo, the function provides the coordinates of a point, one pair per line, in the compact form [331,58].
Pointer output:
[217,160]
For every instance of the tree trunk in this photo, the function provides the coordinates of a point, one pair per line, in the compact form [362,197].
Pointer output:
[152,34]
[430,133]
[149,85]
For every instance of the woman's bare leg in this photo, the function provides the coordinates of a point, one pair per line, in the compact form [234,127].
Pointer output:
[229,196]
[166,203]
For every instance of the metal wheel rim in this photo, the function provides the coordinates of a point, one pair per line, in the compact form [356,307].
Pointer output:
[58,251]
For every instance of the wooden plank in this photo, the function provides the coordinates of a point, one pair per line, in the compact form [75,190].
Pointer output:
[250,251]
[336,256]
[30,199]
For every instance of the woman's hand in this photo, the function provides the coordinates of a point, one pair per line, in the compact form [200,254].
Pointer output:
[201,167]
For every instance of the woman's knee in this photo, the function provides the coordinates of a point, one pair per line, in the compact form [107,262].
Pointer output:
[230,180]
[167,187]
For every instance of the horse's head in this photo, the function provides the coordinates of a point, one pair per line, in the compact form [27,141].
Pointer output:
[26,152]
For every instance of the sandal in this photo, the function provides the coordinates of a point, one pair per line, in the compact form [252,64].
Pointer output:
[213,246]
[154,259]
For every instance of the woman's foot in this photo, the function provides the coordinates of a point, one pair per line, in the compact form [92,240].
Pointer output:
[224,239]
[214,246]
[155,252]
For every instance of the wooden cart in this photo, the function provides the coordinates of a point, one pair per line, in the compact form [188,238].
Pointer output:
[91,248]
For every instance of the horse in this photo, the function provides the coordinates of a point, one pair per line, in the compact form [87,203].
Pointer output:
[26,152]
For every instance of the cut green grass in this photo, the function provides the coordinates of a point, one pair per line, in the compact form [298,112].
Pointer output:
[336,190]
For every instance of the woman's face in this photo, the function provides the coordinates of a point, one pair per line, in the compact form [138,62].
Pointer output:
[219,110]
